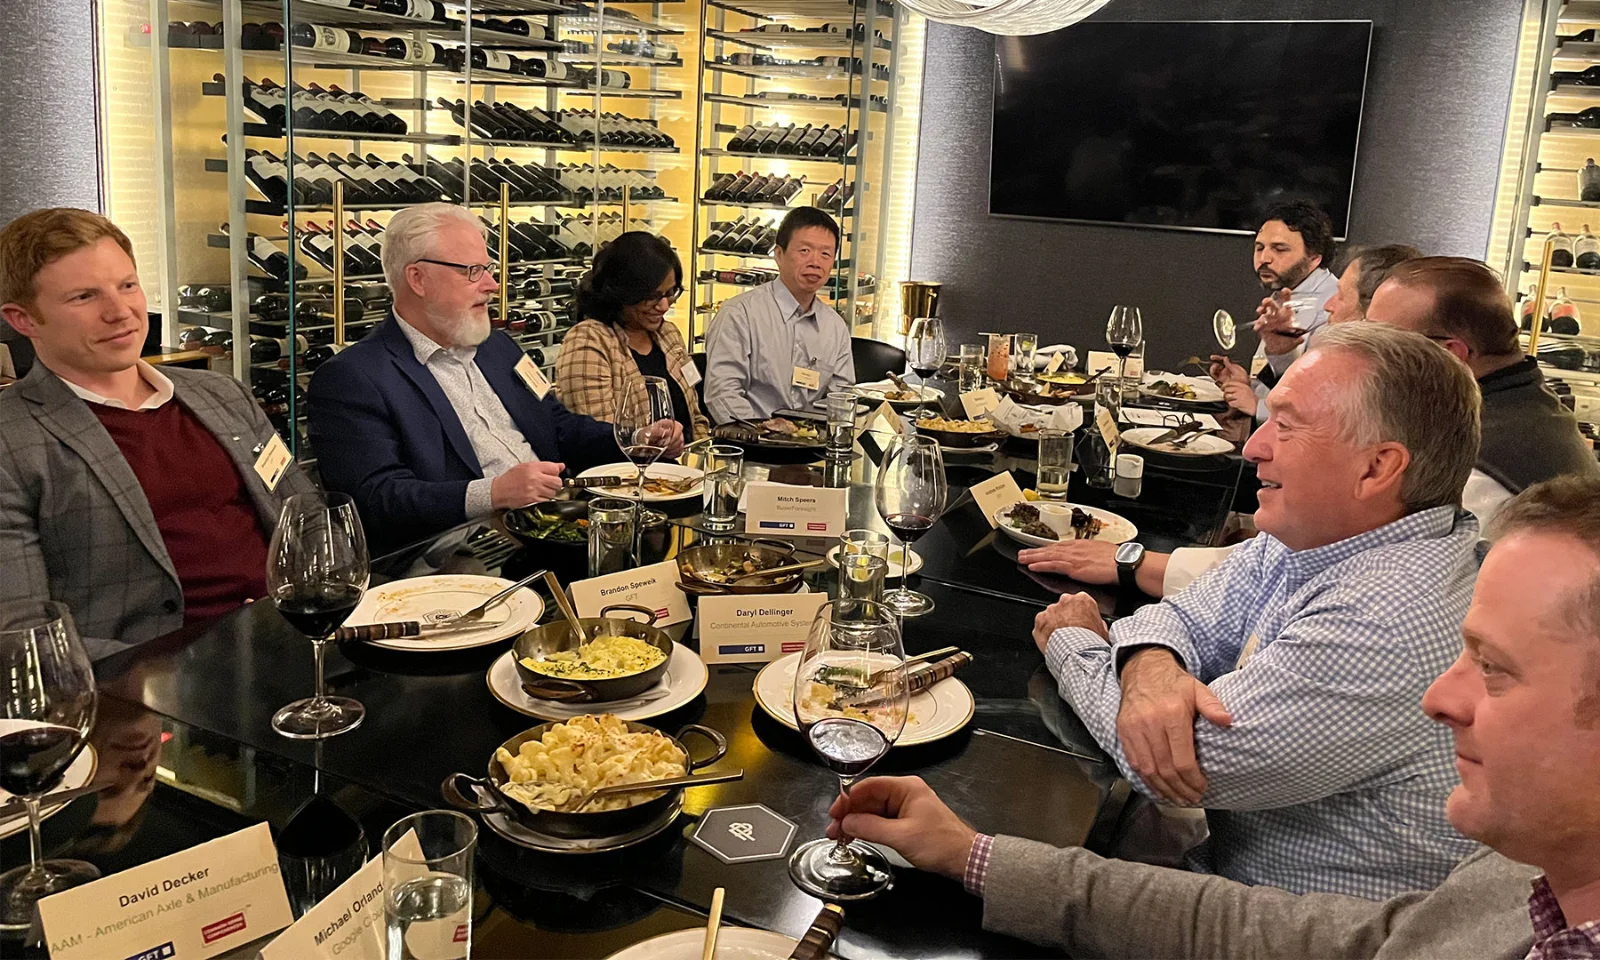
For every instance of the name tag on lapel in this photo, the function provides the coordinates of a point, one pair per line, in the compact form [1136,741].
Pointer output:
[807,378]
[690,374]
[532,376]
[273,462]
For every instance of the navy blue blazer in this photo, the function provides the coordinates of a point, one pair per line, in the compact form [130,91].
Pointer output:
[384,432]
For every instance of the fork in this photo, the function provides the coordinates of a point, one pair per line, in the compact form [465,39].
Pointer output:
[476,613]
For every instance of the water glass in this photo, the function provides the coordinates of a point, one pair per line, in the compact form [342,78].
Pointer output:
[1055,464]
[1130,476]
[863,564]
[841,424]
[1027,346]
[427,886]
[971,377]
[723,484]
[611,522]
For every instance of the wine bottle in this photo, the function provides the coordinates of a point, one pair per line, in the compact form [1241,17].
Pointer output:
[808,143]
[270,260]
[1587,250]
[1588,118]
[791,140]
[485,59]
[769,143]
[740,139]
[719,187]
[325,39]
[1588,78]
[268,177]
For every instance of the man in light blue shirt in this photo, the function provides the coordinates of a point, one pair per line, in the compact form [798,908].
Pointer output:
[1280,690]
[778,346]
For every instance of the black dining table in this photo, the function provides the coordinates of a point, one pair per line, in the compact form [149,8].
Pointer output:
[185,742]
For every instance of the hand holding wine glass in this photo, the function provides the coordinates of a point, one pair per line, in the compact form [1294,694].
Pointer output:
[47,705]
[1124,333]
[910,493]
[317,570]
[851,700]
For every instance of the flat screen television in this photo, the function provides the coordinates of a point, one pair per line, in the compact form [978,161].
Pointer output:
[1189,125]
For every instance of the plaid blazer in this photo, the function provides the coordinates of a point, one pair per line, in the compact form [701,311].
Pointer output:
[75,525]
[595,366]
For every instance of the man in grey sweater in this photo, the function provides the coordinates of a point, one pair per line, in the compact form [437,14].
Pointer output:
[1523,704]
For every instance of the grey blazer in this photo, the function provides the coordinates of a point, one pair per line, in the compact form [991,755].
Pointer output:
[1093,907]
[75,525]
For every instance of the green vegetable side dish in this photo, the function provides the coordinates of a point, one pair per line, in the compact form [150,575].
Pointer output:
[555,529]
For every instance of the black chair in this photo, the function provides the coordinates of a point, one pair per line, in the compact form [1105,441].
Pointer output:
[874,359]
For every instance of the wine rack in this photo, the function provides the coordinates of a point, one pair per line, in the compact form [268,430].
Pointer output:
[256,248]
[796,65]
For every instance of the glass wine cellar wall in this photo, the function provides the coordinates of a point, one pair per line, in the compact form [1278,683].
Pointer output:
[254,150]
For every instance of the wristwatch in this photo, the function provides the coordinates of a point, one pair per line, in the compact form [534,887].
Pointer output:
[1129,556]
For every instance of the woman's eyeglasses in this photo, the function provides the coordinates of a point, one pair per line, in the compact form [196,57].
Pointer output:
[671,296]
[473,270]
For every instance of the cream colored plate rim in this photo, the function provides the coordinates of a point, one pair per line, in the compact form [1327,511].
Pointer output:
[689,677]
[522,610]
[951,699]
[733,943]
[1118,529]
[668,471]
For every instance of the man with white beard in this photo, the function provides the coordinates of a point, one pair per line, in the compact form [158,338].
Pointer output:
[434,419]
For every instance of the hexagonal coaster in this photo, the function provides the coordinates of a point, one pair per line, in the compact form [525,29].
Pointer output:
[744,833]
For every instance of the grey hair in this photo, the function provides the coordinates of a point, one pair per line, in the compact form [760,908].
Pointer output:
[410,232]
[1415,393]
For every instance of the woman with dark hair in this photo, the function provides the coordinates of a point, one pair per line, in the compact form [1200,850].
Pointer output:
[623,336]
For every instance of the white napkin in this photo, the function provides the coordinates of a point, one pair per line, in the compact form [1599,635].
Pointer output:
[1013,416]
[1041,356]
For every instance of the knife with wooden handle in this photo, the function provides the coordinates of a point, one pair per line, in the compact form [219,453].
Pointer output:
[368,632]
[584,483]
[819,939]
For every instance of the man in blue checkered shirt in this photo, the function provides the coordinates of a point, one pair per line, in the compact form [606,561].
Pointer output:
[1280,690]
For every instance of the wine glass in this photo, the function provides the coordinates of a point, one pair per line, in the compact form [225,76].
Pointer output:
[317,569]
[926,347]
[910,494]
[1124,333]
[641,431]
[850,701]
[47,686]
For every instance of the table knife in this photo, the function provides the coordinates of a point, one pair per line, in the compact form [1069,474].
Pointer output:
[584,483]
[15,807]
[398,630]
[819,939]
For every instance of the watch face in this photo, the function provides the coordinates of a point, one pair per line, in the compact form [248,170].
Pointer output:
[1130,552]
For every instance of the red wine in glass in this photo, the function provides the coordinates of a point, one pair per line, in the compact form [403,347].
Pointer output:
[1123,350]
[909,527]
[319,611]
[848,747]
[32,760]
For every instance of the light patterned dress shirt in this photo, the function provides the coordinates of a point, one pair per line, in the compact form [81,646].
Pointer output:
[756,341]
[1552,938]
[496,439]
[1331,778]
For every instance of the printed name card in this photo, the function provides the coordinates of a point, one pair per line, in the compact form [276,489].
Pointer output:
[1107,425]
[348,923]
[890,417]
[532,376]
[756,627]
[791,511]
[979,402]
[653,587]
[1057,361]
[191,905]
[998,491]
[1105,360]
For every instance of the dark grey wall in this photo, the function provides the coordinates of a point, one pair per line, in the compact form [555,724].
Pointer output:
[50,154]
[1438,91]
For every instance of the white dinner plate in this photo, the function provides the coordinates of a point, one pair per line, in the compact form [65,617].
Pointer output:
[686,676]
[79,773]
[733,943]
[1206,445]
[666,471]
[1058,517]
[936,713]
[1205,388]
[431,599]
[879,391]
[896,554]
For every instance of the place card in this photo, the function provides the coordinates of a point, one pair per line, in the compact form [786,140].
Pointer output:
[889,415]
[794,511]
[979,402]
[348,923]
[1105,360]
[194,904]
[1107,425]
[653,587]
[755,628]
[1057,361]
[998,491]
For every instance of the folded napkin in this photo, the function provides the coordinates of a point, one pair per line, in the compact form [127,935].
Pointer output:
[1014,416]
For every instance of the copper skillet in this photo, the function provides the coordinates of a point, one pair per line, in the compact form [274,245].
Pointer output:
[557,636]
[695,563]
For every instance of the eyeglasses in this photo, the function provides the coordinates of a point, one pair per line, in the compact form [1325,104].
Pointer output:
[671,296]
[473,270]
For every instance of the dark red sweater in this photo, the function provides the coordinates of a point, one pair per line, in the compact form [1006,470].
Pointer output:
[206,517]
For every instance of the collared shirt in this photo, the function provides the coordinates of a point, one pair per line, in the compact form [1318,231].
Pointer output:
[157,380]
[977,864]
[1552,938]
[496,439]
[1331,778]
[755,344]
[1318,287]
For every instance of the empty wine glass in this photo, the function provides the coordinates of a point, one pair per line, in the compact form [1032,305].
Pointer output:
[910,493]
[317,570]
[850,701]
[1124,333]
[926,347]
[47,686]
[642,431]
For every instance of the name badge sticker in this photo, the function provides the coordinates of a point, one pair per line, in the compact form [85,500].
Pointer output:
[532,376]
[691,374]
[273,462]
[807,378]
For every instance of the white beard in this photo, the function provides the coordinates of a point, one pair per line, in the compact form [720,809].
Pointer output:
[463,329]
